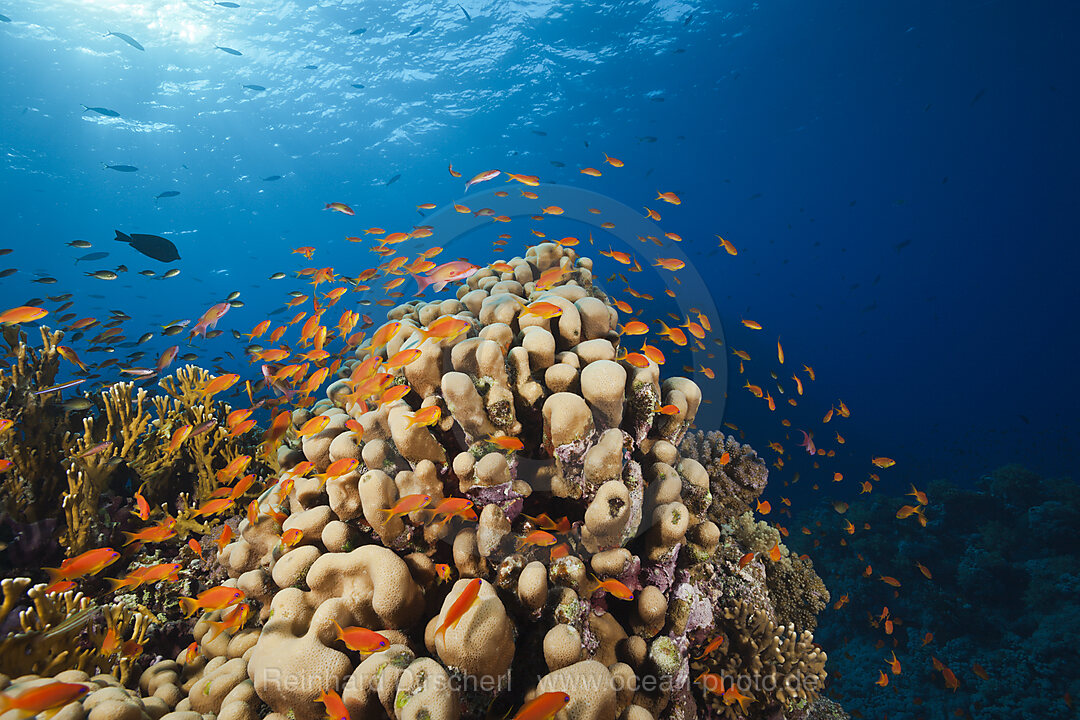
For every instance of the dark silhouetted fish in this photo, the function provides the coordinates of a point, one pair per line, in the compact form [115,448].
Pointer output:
[271,178]
[92,256]
[8,273]
[358,31]
[126,38]
[541,133]
[121,168]
[978,97]
[393,180]
[558,163]
[358,86]
[167,194]
[414,30]
[256,88]
[228,50]
[4,18]
[227,4]
[79,244]
[151,245]
[311,67]
[467,15]
[102,111]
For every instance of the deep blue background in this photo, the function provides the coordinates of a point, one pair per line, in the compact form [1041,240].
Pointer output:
[899,178]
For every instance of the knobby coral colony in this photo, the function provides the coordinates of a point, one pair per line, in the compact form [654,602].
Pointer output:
[489,488]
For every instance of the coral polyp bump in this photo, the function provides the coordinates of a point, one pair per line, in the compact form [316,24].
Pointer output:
[546,531]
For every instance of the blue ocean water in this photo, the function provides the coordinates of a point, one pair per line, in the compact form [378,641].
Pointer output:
[899,180]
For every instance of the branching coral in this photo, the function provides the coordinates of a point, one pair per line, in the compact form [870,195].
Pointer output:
[36,444]
[52,449]
[773,666]
[66,631]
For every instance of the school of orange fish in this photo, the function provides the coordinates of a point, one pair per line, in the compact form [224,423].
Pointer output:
[293,373]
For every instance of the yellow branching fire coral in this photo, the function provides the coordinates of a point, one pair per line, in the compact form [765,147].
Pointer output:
[75,454]
[66,631]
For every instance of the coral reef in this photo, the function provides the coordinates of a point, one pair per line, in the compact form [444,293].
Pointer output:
[489,496]
[113,442]
[537,419]
[999,608]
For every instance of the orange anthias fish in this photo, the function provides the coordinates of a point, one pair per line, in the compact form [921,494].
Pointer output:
[142,508]
[407,504]
[40,698]
[402,358]
[341,466]
[906,511]
[216,598]
[224,538]
[453,507]
[614,587]
[158,533]
[23,313]
[538,538]
[894,664]
[461,605]
[445,328]
[232,621]
[919,495]
[505,442]
[291,536]
[672,264]
[314,426]
[90,562]
[883,462]
[543,707]
[883,679]
[542,310]
[360,639]
[335,706]
[715,643]
[178,437]
[426,417]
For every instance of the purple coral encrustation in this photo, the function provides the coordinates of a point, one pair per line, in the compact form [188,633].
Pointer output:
[662,574]
[502,495]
